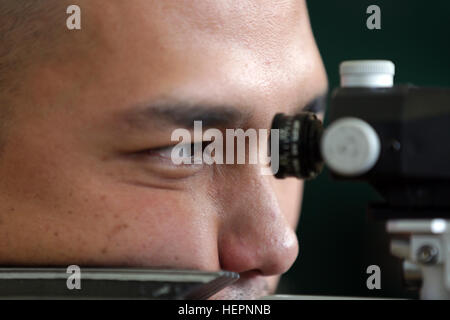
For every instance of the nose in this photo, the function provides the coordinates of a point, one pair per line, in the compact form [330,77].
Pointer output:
[255,235]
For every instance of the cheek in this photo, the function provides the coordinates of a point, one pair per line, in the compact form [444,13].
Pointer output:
[85,216]
[164,228]
[122,225]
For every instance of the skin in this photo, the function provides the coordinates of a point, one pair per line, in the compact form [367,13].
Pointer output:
[74,188]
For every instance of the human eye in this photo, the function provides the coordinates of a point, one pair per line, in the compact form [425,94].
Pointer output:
[176,154]
[169,161]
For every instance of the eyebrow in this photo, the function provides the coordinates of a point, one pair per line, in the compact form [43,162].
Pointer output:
[184,114]
[316,105]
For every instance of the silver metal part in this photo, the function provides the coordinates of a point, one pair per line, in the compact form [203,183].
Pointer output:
[412,275]
[400,248]
[427,254]
[103,283]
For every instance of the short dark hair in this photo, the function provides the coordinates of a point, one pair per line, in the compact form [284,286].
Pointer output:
[24,30]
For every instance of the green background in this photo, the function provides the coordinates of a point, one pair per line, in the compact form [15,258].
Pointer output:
[337,242]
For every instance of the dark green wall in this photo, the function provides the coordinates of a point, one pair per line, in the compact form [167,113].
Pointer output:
[337,243]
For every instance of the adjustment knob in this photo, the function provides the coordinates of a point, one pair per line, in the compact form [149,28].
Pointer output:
[350,146]
[367,73]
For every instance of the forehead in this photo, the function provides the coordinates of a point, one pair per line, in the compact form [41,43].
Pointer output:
[264,27]
[219,51]
[225,18]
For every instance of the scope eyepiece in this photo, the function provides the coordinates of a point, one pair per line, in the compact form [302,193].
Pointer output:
[299,148]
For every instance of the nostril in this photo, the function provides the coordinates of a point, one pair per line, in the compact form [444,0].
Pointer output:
[268,256]
[250,274]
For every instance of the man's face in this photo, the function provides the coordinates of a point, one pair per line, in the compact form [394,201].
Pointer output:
[86,175]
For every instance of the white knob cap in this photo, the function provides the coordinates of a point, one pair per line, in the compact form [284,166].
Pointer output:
[367,73]
[350,146]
